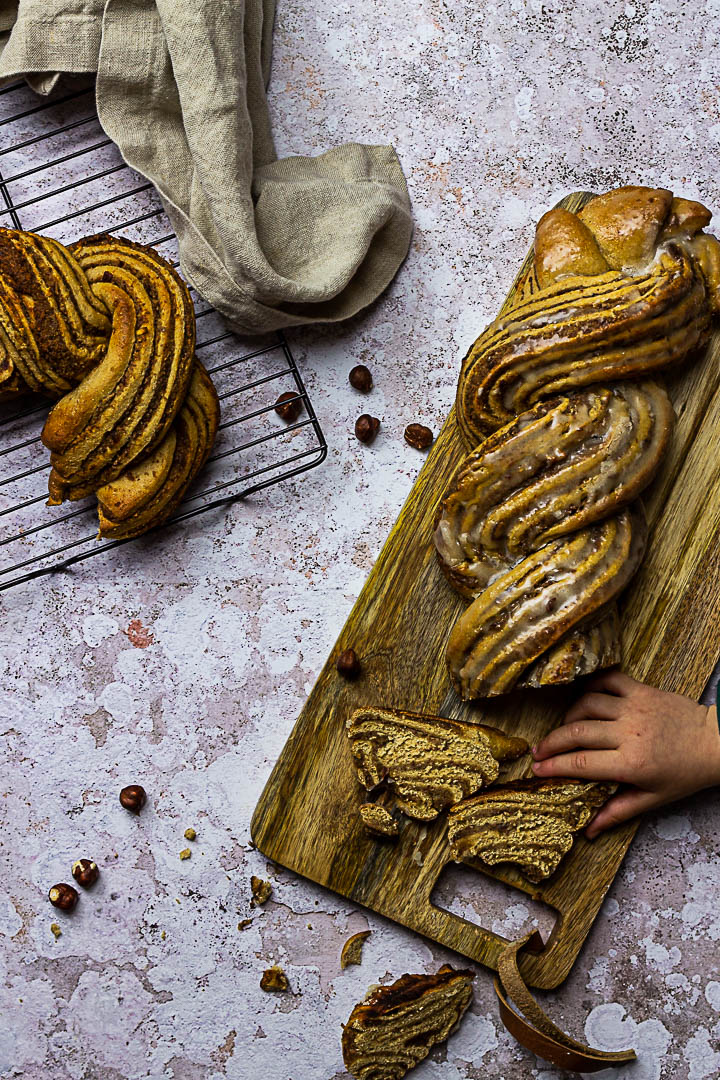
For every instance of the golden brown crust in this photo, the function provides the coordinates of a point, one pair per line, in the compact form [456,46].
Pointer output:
[625,287]
[396,1026]
[126,407]
[147,494]
[529,608]
[58,328]
[528,822]
[564,245]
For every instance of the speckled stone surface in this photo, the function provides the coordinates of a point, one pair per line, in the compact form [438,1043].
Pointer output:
[183,665]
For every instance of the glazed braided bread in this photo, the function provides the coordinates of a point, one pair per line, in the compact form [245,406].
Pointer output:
[107,326]
[541,526]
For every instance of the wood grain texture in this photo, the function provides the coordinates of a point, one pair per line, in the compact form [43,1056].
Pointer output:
[307,818]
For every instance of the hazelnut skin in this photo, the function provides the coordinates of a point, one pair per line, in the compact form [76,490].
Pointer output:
[63,896]
[366,428]
[348,664]
[133,798]
[288,407]
[85,872]
[419,436]
[361,379]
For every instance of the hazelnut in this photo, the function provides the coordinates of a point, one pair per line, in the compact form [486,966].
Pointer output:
[63,896]
[366,428]
[361,379]
[419,436]
[348,664]
[85,872]
[189,834]
[289,406]
[133,798]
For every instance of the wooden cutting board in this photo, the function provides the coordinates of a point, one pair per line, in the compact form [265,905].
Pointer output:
[307,817]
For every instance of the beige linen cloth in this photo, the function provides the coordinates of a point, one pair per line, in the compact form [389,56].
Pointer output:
[181,90]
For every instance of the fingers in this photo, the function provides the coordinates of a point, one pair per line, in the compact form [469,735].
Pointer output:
[594,707]
[613,681]
[581,765]
[587,735]
[628,804]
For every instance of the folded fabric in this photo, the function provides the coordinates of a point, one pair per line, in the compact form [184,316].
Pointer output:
[181,90]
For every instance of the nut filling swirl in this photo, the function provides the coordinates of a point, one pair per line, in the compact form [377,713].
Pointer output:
[430,762]
[542,527]
[531,823]
[396,1026]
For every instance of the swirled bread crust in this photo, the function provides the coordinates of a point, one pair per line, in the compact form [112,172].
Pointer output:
[626,287]
[124,408]
[526,610]
[557,468]
[531,823]
[431,762]
[147,493]
[396,1026]
[579,331]
[594,644]
[53,327]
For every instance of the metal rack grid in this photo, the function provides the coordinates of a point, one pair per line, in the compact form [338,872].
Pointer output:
[61,176]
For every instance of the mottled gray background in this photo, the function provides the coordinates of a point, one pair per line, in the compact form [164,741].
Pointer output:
[182,662]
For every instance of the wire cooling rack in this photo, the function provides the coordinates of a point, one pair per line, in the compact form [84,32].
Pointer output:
[61,176]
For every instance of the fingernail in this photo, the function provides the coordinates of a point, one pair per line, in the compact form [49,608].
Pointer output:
[536,765]
[533,750]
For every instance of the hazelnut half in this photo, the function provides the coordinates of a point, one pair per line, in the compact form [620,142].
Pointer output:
[85,872]
[133,798]
[288,406]
[348,664]
[361,379]
[366,428]
[419,436]
[63,896]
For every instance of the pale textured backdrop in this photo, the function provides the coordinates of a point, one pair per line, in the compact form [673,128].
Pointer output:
[182,663]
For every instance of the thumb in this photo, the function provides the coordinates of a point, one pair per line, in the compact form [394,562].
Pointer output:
[628,804]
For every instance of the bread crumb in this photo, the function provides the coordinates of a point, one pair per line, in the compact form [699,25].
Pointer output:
[56,930]
[261,891]
[185,854]
[163,936]
[352,949]
[378,821]
[274,978]
[189,834]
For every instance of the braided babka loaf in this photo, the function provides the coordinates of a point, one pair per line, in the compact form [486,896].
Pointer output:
[108,327]
[542,526]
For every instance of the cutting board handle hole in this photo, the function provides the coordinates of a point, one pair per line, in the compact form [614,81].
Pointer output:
[494,905]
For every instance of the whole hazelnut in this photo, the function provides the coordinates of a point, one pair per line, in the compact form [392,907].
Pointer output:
[63,896]
[366,428]
[288,406]
[419,436]
[133,798]
[348,664]
[85,872]
[361,379]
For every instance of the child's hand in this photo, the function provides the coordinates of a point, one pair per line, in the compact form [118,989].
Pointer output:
[663,746]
